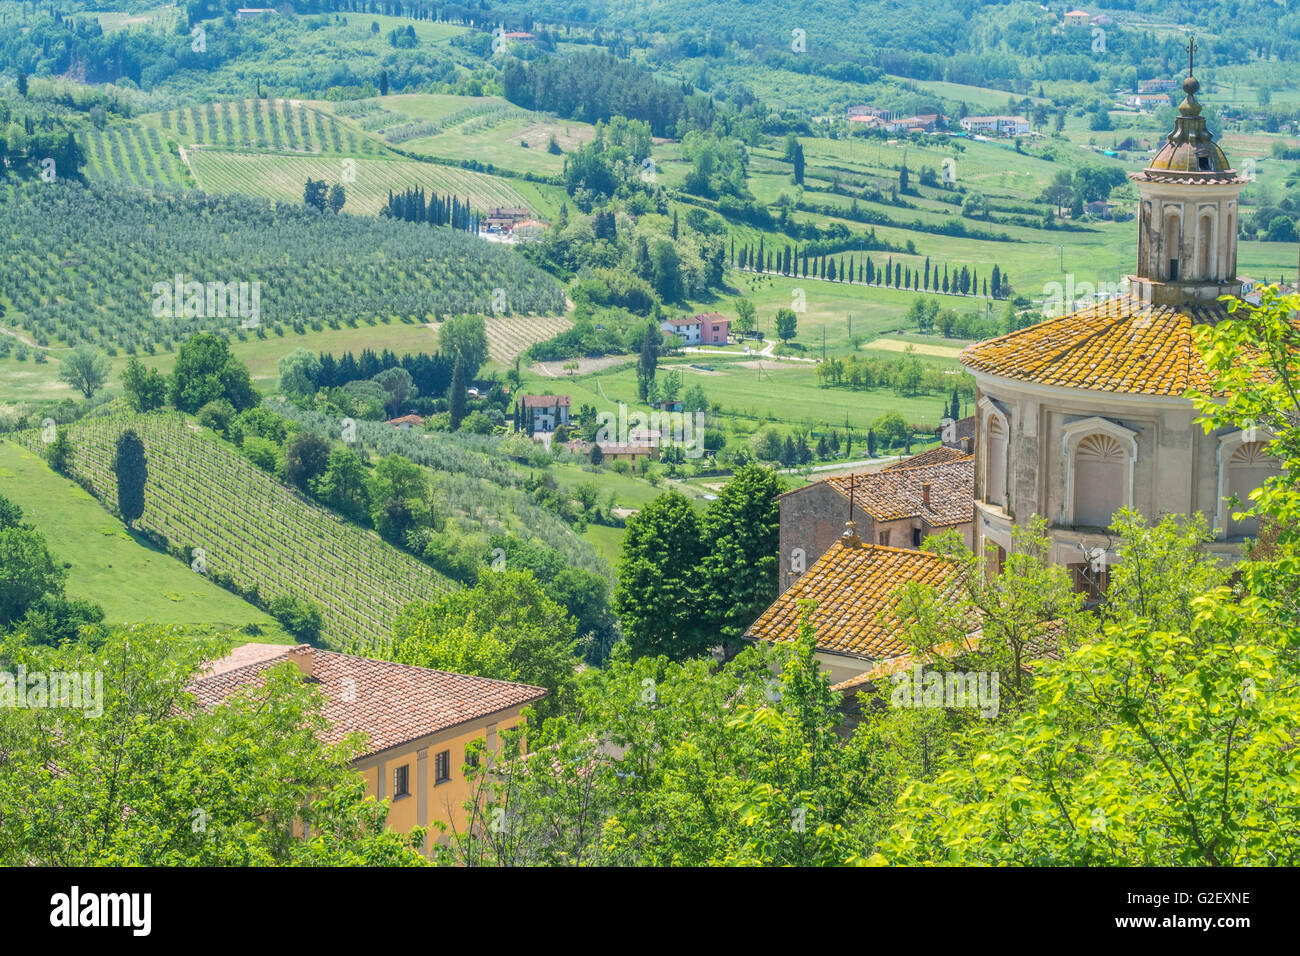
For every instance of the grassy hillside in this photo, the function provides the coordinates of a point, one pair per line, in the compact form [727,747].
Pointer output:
[257,536]
[129,577]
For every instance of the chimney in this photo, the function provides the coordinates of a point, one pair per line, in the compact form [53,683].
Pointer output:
[965,444]
[925,494]
[303,658]
[850,537]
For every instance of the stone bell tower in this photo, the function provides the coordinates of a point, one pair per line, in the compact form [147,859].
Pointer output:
[1187,221]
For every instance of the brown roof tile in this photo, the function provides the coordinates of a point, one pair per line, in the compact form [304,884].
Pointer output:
[896,493]
[1121,345]
[935,456]
[391,703]
[853,588]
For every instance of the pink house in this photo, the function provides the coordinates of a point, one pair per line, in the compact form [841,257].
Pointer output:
[708,328]
[714,327]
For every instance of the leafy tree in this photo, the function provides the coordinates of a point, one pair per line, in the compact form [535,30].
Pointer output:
[729,766]
[456,396]
[299,372]
[399,498]
[658,597]
[336,198]
[59,454]
[786,324]
[156,780]
[399,386]
[742,531]
[130,468]
[647,361]
[314,194]
[344,485]
[306,458]
[301,617]
[745,316]
[506,627]
[27,572]
[85,369]
[464,338]
[145,388]
[206,370]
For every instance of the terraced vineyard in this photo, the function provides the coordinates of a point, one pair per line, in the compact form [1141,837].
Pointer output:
[256,534]
[135,154]
[282,178]
[280,125]
[315,270]
[509,336]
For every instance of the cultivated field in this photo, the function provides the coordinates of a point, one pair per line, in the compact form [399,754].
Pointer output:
[257,535]
[366,182]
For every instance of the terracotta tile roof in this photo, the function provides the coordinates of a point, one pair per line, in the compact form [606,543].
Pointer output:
[935,456]
[1040,647]
[406,420]
[853,588]
[546,401]
[391,703]
[1121,345]
[896,493]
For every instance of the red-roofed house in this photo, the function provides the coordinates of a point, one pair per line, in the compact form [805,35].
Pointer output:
[543,412]
[417,721]
[407,421]
[895,507]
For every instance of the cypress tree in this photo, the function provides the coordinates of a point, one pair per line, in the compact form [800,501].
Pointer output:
[457,398]
[131,469]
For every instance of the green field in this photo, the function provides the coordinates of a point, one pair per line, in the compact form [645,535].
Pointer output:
[131,579]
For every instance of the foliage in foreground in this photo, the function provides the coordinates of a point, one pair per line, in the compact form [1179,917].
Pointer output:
[156,780]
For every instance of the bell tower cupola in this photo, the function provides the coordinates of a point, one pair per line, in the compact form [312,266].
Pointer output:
[1188,210]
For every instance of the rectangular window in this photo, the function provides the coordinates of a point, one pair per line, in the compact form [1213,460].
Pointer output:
[402,781]
[916,537]
[884,538]
[471,757]
[442,767]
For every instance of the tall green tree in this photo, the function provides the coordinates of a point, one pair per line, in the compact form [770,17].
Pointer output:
[131,470]
[786,324]
[456,395]
[464,338]
[205,371]
[647,360]
[507,627]
[742,532]
[657,597]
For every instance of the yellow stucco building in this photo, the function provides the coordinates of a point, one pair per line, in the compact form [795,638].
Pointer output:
[418,722]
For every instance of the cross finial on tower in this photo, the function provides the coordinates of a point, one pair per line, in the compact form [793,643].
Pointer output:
[1191,54]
